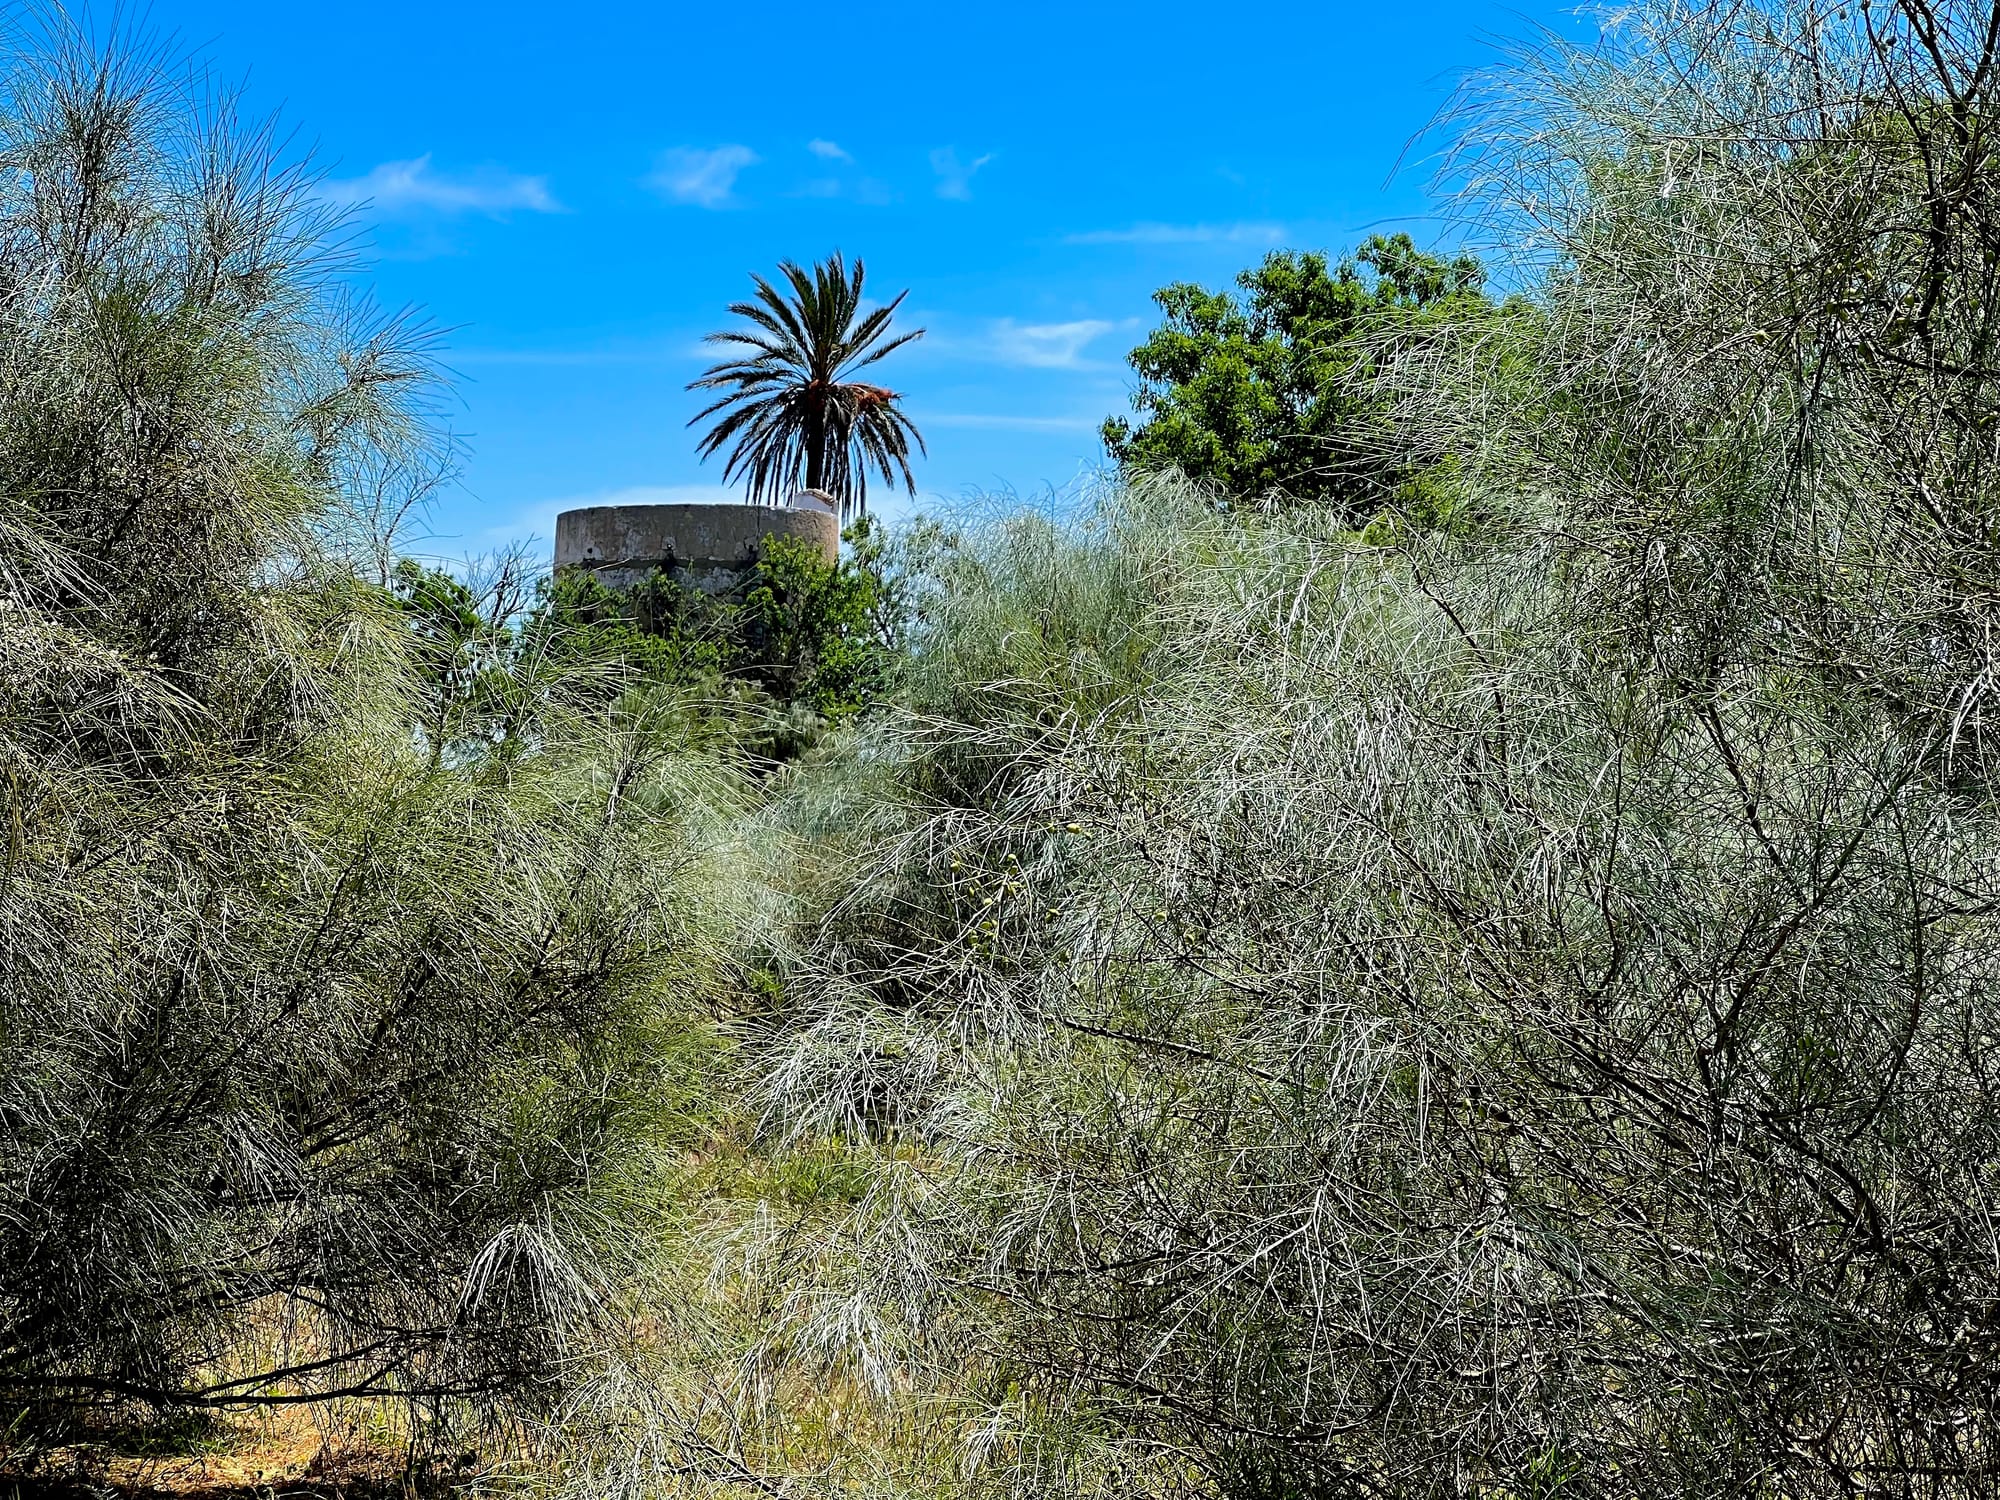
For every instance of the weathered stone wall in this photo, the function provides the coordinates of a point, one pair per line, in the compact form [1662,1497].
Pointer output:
[709,547]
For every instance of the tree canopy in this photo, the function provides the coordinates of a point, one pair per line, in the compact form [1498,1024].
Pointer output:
[1269,390]
[331,933]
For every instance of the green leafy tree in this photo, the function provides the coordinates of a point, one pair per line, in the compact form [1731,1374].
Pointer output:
[660,633]
[1269,390]
[810,630]
[457,649]
[790,412]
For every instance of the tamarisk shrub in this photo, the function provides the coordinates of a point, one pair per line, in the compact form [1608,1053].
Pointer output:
[332,996]
[1512,1013]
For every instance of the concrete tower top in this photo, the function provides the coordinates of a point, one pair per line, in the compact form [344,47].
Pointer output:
[707,546]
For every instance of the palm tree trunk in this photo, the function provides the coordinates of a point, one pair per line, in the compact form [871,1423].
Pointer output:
[816,441]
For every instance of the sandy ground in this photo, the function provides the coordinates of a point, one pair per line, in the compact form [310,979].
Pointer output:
[284,1452]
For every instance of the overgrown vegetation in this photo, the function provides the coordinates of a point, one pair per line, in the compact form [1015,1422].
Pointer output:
[1506,1013]
[342,971]
[797,646]
[1353,997]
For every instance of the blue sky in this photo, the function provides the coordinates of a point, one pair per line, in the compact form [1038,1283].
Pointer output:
[577,191]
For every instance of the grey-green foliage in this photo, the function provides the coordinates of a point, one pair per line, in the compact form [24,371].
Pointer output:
[312,1035]
[1512,1015]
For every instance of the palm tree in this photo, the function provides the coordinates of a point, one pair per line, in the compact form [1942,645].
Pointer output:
[790,414]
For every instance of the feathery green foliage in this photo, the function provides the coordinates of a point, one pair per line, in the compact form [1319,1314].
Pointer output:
[342,951]
[1268,1010]
[1509,1013]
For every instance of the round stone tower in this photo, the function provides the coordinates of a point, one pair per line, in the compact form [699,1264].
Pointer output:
[709,547]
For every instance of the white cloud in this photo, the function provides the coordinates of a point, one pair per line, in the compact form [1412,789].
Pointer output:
[688,174]
[1047,346]
[538,520]
[828,151]
[954,177]
[397,187]
[1250,233]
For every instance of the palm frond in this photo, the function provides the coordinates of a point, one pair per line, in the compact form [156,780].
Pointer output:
[787,413]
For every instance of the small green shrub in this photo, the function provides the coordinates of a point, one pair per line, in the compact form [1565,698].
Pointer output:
[808,631]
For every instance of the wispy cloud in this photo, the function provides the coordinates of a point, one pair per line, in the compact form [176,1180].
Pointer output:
[537,520]
[1256,232]
[955,177]
[839,183]
[867,190]
[1046,346]
[402,187]
[706,178]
